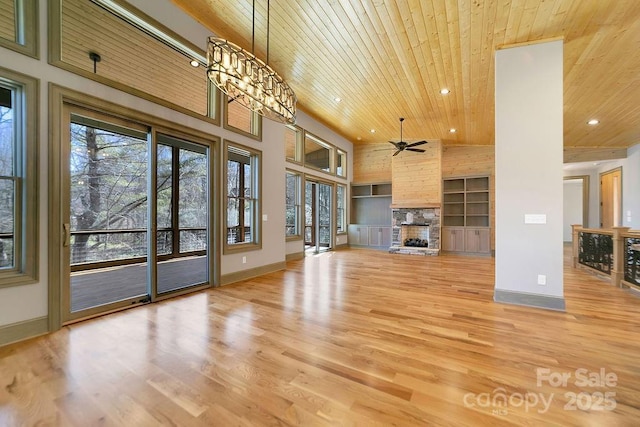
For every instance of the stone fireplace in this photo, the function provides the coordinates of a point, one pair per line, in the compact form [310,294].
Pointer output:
[415,231]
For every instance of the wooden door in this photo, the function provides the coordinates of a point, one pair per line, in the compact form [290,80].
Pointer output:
[611,198]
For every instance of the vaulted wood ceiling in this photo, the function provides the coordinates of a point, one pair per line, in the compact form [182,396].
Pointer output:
[390,58]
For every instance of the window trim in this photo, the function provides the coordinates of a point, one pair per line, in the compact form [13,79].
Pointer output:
[325,144]
[26,260]
[256,220]
[30,32]
[344,166]
[256,122]
[162,34]
[300,204]
[299,150]
[344,209]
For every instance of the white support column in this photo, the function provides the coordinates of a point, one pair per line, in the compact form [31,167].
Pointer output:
[529,185]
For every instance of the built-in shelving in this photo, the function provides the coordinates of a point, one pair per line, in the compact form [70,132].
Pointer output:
[466,214]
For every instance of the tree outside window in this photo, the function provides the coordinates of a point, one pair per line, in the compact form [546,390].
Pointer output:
[242,212]
[293,197]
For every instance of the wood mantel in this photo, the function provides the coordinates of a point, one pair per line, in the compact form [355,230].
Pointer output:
[414,205]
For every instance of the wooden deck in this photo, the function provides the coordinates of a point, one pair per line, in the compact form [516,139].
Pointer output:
[92,288]
[351,337]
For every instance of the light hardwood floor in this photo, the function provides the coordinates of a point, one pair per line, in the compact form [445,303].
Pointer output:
[352,337]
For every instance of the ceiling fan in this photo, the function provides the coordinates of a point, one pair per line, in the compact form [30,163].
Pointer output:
[401,145]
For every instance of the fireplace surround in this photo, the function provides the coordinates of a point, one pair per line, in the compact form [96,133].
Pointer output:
[415,223]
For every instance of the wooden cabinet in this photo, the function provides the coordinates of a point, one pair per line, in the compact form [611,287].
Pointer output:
[369,209]
[379,236]
[453,239]
[370,235]
[477,240]
[358,235]
[466,215]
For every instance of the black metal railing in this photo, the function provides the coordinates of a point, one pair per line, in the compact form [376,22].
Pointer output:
[632,260]
[238,234]
[596,251]
[102,248]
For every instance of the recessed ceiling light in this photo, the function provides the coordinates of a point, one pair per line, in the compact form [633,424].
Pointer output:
[337,99]
[452,130]
[194,63]
[372,131]
[593,122]
[444,91]
[359,139]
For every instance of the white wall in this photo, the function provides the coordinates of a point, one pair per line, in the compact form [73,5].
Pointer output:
[24,303]
[529,140]
[572,207]
[630,187]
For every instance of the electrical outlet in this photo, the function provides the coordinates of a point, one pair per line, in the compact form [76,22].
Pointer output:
[244,259]
[542,279]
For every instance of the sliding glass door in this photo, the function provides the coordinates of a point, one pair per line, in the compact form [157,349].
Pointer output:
[118,175]
[182,214]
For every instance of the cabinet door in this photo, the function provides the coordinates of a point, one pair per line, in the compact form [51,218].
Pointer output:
[358,235]
[386,236]
[375,238]
[452,239]
[379,236]
[477,240]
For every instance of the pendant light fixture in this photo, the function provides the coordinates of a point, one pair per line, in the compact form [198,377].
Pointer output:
[248,80]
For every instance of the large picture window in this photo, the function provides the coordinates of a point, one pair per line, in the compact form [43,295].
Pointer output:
[18,202]
[243,195]
[293,198]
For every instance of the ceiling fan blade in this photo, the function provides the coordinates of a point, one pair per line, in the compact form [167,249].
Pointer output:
[417,143]
[395,144]
[397,152]
[417,150]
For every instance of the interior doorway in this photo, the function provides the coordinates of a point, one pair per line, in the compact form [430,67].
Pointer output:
[611,198]
[575,204]
[318,216]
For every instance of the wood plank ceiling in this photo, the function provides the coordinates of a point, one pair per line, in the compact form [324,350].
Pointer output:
[390,58]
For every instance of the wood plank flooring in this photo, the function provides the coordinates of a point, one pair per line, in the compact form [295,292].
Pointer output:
[352,337]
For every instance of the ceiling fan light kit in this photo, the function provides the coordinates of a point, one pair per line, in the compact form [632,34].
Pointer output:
[402,146]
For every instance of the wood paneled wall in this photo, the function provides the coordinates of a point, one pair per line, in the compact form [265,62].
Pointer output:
[8,20]
[372,163]
[417,177]
[129,56]
[471,161]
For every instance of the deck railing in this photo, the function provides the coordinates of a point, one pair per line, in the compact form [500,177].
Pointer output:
[615,252]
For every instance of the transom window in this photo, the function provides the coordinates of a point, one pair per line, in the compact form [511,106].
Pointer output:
[317,153]
[240,119]
[293,144]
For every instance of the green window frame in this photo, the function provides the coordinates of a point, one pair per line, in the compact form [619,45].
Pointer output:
[23,27]
[243,209]
[293,143]
[240,119]
[18,179]
[341,208]
[293,205]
